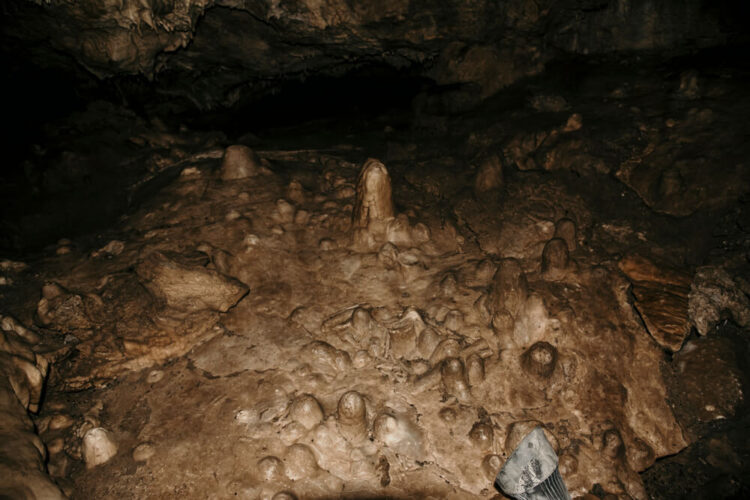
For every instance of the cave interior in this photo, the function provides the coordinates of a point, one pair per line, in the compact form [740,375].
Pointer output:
[317,249]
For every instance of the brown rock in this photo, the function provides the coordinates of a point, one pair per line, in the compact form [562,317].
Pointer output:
[708,382]
[189,287]
[489,176]
[509,288]
[373,202]
[62,310]
[540,359]
[640,268]
[239,162]
[566,229]
[664,311]
[555,258]
[661,299]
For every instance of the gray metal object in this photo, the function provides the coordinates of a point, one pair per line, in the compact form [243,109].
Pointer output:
[531,472]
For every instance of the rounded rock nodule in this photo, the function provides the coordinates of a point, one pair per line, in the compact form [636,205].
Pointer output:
[271,468]
[555,256]
[540,359]
[306,410]
[300,462]
[98,446]
[482,435]
[352,416]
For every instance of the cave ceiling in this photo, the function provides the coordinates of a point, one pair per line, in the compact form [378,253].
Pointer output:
[212,54]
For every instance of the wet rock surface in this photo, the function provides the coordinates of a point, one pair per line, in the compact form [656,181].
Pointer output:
[371,319]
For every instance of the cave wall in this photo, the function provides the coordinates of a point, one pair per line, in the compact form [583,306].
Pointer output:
[210,52]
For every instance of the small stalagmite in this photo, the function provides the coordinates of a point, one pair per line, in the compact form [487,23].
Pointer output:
[352,416]
[475,369]
[482,436]
[373,206]
[509,288]
[540,359]
[565,228]
[555,259]
[98,447]
[489,176]
[239,162]
[491,465]
[453,374]
[306,410]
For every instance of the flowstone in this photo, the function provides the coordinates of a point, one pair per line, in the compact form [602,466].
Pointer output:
[399,366]
[396,367]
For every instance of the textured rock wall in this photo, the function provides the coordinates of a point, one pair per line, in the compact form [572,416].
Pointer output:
[22,453]
[209,51]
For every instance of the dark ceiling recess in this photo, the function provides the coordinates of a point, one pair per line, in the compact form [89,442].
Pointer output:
[33,96]
[356,97]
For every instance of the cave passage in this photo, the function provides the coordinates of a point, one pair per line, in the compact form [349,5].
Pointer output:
[315,250]
[350,102]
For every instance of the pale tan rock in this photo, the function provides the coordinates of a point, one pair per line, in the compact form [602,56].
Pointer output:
[306,410]
[98,447]
[60,421]
[398,231]
[373,201]
[373,206]
[239,162]
[475,369]
[398,433]
[22,453]
[143,452]
[11,344]
[11,324]
[188,287]
[453,376]
[271,469]
[25,378]
[352,416]
[491,465]
[532,323]
[300,462]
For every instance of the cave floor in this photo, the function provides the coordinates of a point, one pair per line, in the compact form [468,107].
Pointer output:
[246,338]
